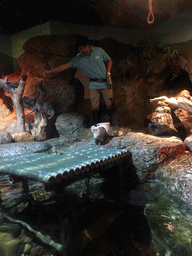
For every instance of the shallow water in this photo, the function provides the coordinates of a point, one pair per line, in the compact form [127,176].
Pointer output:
[13,202]
[170,222]
[99,215]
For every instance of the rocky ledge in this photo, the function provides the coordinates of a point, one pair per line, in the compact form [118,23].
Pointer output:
[166,158]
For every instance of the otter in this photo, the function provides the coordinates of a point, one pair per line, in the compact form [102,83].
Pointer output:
[100,134]
[41,105]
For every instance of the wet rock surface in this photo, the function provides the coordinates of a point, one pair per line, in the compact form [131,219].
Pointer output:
[148,150]
[20,148]
[177,176]
[70,124]
[152,157]
[155,158]
[91,215]
[164,158]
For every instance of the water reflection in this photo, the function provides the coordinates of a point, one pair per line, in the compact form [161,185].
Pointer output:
[170,222]
[98,226]
[129,233]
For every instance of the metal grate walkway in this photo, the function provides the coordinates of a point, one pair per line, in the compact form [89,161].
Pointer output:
[68,167]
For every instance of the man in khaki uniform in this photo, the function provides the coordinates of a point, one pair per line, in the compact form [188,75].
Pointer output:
[96,65]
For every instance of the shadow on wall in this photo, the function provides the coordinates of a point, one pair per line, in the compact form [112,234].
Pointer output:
[175,83]
[6,64]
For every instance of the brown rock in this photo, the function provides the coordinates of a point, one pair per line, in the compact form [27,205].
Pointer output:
[23,137]
[183,93]
[188,142]
[130,101]
[31,87]
[4,111]
[27,248]
[33,64]
[35,251]
[41,251]
[60,94]
[37,44]
[55,61]
[63,46]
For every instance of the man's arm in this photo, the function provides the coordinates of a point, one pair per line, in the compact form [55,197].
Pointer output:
[61,68]
[109,66]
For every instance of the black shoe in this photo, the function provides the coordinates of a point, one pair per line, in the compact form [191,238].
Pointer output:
[95,116]
[110,115]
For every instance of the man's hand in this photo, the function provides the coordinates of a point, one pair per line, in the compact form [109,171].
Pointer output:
[49,73]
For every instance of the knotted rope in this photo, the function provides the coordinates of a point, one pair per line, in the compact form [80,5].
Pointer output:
[151,17]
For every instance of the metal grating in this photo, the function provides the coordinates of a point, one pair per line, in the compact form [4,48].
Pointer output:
[51,168]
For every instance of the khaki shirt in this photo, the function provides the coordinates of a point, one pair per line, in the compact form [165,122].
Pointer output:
[92,66]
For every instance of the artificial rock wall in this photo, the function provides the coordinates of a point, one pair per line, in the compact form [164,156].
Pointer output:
[173,31]
[136,91]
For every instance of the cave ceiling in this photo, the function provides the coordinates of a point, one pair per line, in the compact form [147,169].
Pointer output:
[17,15]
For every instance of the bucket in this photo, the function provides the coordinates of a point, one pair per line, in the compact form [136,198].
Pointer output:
[105,125]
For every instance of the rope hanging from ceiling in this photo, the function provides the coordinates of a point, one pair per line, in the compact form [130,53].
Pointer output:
[150,17]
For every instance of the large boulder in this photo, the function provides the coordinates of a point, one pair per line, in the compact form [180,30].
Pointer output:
[171,116]
[42,53]
[52,44]
[4,110]
[149,151]
[6,138]
[60,94]
[135,78]
[47,52]
[177,177]
[32,64]
[130,101]
[70,124]
[43,128]
[23,137]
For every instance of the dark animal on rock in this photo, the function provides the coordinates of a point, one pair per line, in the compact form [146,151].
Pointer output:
[100,134]
[156,129]
[41,104]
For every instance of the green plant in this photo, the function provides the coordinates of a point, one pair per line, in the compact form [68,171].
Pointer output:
[124,66]
[170,52]
[150,58]
[148,47]
[149,51]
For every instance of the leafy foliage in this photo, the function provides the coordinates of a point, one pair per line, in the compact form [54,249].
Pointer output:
[149,60]
[124,66]
[148,47]
[170,52]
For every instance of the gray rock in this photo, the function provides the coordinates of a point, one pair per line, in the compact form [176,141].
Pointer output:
[148,150]
[20,148]
[69,124]
[188,142]
[177,177]
[6,138]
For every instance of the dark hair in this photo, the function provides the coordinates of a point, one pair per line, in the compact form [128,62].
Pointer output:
[81,41]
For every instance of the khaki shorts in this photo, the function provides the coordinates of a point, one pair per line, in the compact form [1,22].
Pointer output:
[94,95]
